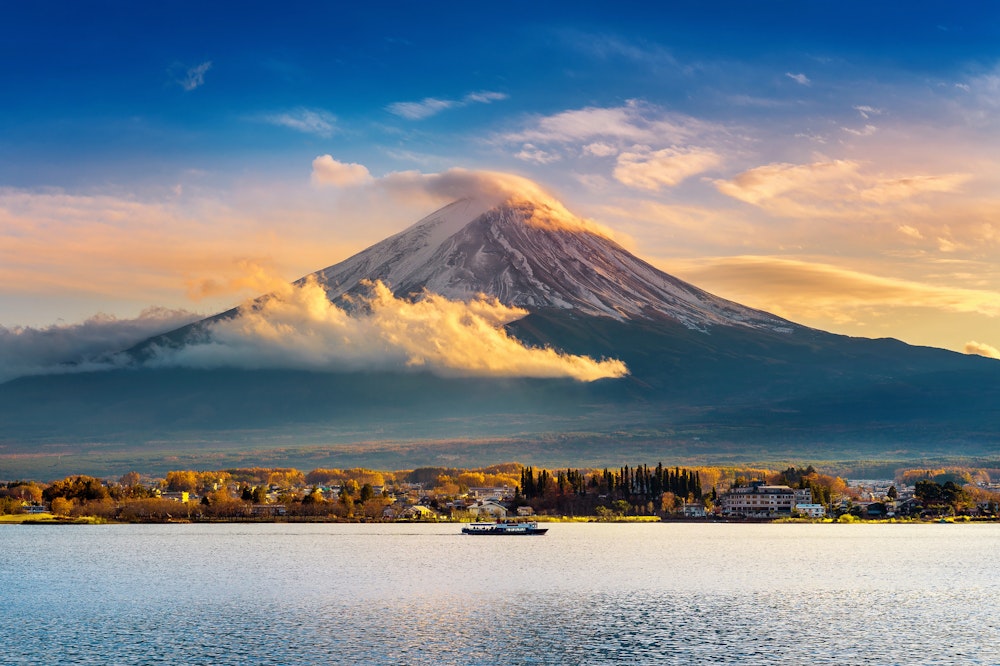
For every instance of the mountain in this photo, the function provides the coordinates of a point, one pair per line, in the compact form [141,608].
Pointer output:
[709,379]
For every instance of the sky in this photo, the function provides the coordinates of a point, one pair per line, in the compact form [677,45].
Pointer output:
[835,163]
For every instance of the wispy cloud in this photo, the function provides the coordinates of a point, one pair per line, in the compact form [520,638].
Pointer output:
[777,186]
[431,106]
[484,97]
[867,112]
[885,190]
[131,250]
[194,77]
[310,121]
[633,123]
[648,169]
[531,153]
[817,289]
[608,47]
[829,188]
[422,189]
[425,108]
[801,79]
[867,130]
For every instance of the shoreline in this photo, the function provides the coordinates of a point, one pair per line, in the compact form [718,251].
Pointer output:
[51,519]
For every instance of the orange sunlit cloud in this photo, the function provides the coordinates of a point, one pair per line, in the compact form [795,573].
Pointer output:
[836,188]
[154,251]
[788,286]
[297,326]
[982,349]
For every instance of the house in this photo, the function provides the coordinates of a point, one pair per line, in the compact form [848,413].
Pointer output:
[693,510]
[525,511]
[908,507]
[483,510]
[181,496]
[268,510]
[419,512]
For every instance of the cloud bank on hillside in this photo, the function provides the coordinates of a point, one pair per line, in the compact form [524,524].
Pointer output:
[89,345]
[298,327]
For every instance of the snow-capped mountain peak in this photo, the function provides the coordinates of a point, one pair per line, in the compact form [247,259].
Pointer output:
[534,255]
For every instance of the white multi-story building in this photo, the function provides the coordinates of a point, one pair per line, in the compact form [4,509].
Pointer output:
[810,510]
[759,500]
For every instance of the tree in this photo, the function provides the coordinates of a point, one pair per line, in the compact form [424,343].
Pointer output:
[130,479]
[80,488]
[181,481]
[927,492]
[26,491]
[314,497]
[892,493]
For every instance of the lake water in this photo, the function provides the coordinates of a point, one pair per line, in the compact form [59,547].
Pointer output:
[425,594]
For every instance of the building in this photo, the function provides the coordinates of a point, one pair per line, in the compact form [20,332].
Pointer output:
[483,510]
[492,493]
[759,500]
[693,510]
[419,512]
[811,510]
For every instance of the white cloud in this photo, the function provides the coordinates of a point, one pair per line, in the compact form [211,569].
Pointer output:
[430,106]
[531,153]
[600,149]
[867,130]
[425,108]
[867,111]
[298,327]
[194,77]
[328,172]
[801,79]
[647,169]
[311,121]
[484,97]
[90,345]
[633,123]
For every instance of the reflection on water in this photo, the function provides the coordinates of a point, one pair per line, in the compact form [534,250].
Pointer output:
[583,594]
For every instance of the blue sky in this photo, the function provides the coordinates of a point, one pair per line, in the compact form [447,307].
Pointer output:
[833,162]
